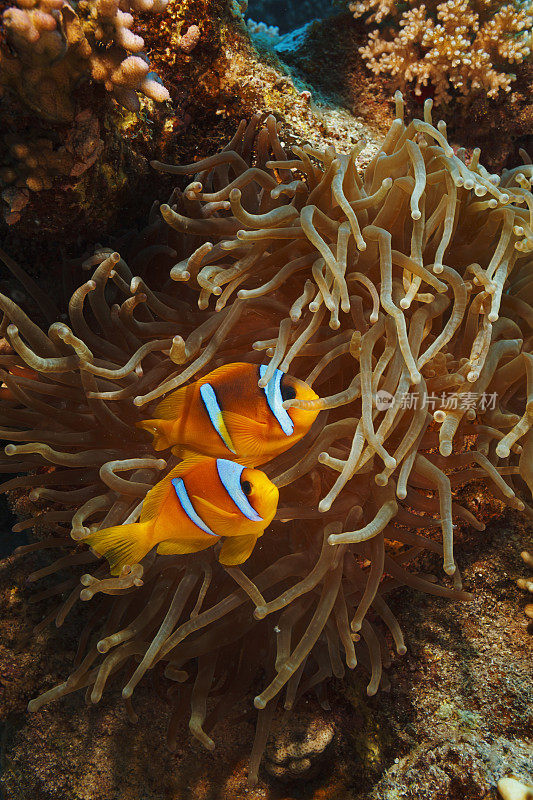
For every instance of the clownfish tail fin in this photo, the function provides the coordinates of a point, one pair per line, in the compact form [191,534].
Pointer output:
[122,544]
[160,429]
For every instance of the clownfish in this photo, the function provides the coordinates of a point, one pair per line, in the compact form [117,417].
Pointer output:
[227,414]
[195,505]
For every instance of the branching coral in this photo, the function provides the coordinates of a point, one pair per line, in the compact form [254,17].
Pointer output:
[403,295]
[465,44]
[53,46]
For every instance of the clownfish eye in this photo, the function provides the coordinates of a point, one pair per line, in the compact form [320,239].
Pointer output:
[288,392]
[246,486]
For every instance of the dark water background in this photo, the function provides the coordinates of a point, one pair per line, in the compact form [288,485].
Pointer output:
[288,15]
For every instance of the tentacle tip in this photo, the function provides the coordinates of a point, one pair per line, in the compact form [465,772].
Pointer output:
[371,691]
[402,650]
[86,594]
[127,692]
[138,401]
[260,612]
[259,702]
[415,215]
[450,569]
[33,705]
[324,505]
[332,539]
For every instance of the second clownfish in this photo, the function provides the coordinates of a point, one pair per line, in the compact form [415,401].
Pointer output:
[196,504]
[227,414]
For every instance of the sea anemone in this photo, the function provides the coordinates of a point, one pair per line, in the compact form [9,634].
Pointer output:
[401,294]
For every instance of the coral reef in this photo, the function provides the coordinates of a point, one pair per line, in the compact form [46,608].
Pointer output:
[34,164]
[191,44]
[466,45]
[52,58]
[402,292]
[53,46]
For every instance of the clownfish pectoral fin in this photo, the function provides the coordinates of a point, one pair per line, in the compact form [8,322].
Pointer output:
[160,429]
[227,521]
[175,547]
[122,544]
[211,507]
[237,549]
[250,435]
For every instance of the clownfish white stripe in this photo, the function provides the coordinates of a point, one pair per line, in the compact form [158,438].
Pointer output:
[188,507]
[275,400]
[230,475]
[214,411]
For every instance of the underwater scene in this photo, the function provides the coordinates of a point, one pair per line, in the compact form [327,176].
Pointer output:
[266,400]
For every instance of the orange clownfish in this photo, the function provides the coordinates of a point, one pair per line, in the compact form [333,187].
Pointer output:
[227,414]
[196,504]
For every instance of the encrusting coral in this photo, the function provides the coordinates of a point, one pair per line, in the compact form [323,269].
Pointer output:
[402,295]
[52,46]
[464,44]
[34,164]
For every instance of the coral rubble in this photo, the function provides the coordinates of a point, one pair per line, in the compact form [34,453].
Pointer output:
[401,292]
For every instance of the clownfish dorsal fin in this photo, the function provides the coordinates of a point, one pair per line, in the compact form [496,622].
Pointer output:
[192,460]
[228,372]
[157,495]
[237,549]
